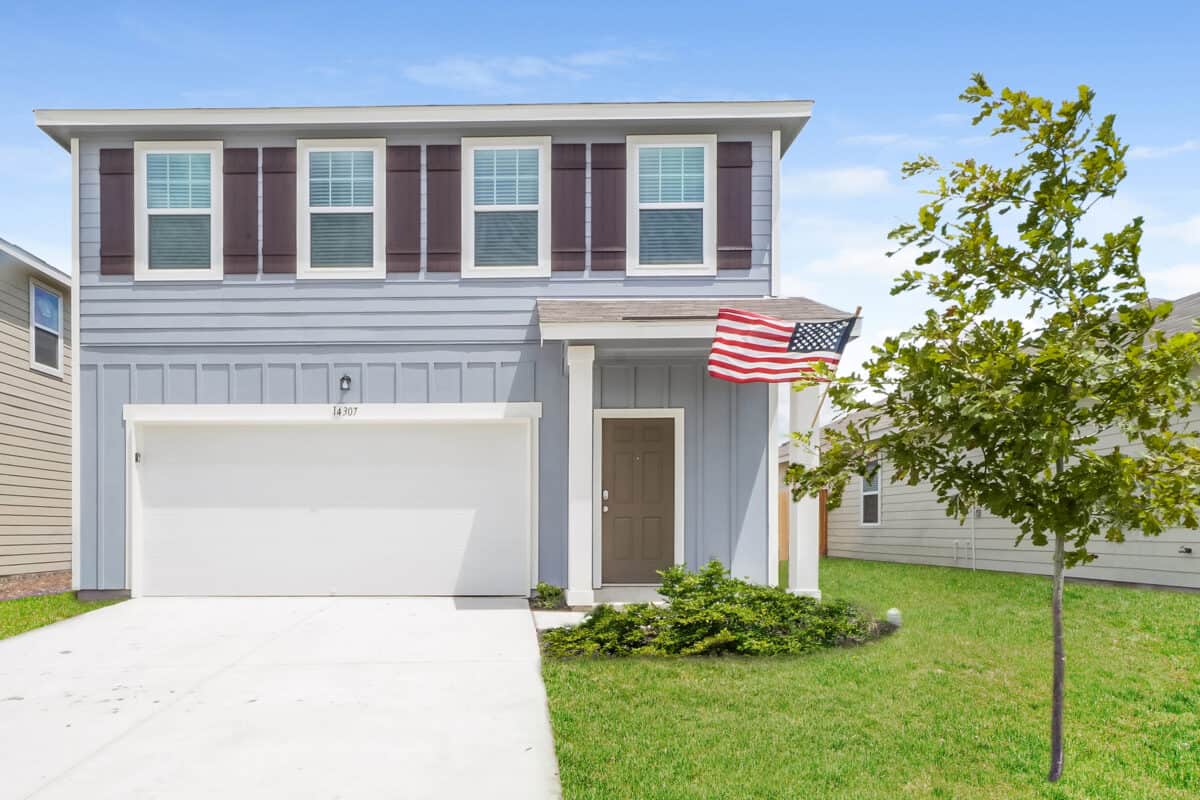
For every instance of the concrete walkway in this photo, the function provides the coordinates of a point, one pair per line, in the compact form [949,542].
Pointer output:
[278,697]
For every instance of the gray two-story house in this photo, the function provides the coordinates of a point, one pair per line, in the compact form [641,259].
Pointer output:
[425,350]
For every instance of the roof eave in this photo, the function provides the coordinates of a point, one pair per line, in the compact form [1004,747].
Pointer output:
[789,116]
[43,268]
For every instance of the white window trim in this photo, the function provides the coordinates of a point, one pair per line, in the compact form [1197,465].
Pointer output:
[878,493]
[378,209]
[141,224]
[633,205]
[469,146]
[33,362]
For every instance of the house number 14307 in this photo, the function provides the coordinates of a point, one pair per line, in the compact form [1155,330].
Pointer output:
[345,411]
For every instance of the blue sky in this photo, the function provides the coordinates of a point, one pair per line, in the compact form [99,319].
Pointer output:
[884,76]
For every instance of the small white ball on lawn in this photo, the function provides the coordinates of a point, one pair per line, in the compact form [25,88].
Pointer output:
[893,616]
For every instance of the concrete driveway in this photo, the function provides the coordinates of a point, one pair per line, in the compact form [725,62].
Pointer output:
[278,697]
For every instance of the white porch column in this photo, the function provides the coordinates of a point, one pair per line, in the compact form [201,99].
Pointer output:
[804,533]
[580,359]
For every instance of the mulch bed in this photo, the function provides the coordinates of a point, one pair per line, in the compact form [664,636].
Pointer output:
[34,583]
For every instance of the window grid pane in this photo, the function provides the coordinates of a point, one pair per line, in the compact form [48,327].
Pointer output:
[178,180]
[506,238]
[341,178]
[47,310]
[342,240]
[506,177]
[870,483]
[671,174]
[45,348]
[671,235]
[180,241]
[870,509]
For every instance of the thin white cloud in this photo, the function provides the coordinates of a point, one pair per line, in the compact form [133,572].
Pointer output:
[1163,151]
[1173,282]
[897,140]
[1186,231]
[951,118]
[508,73]
[844,181]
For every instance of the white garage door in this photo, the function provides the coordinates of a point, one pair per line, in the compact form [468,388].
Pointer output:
[408,508]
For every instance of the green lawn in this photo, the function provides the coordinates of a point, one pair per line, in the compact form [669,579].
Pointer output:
[26,613]
[955,705]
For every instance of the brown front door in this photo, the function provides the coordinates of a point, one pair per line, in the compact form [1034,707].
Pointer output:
[637,499]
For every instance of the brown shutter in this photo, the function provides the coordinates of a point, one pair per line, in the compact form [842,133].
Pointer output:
[568,247]
[279,210]
[443,207]
[241,210]
[404,208]
[734,241]
[116,212]
[608,206]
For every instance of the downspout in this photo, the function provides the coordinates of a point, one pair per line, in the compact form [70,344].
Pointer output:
[974,513]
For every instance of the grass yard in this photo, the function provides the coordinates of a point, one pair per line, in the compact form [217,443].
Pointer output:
[27,613]
[955,705]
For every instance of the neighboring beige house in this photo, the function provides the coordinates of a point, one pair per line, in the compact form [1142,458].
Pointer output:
[35,415]
[884,521]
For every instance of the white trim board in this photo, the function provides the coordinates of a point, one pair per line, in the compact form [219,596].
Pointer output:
[788,115]
[633,206]
[378,209]
[76,463]
[61,333]
[215,212]
[469,209]
[598,417]
[295,413]
[634,329]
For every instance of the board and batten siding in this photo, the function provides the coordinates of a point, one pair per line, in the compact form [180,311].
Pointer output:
[726,444]
[914,529]
[35,442]
[412,337]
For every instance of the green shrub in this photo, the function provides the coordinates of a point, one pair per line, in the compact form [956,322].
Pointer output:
[710,613]
[547,595]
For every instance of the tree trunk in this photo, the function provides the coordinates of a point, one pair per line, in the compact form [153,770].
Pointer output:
[1060,662]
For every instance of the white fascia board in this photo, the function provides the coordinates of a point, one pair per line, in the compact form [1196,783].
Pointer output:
[47,271]
[633,329]
[61,124]
[641,329]
[328,413]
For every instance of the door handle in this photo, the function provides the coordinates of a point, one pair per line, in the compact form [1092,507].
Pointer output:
[604,494]
[604,509]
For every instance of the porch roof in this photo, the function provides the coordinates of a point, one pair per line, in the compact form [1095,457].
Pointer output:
[666,318]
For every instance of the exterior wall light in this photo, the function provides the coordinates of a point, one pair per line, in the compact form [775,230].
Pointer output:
[344,383]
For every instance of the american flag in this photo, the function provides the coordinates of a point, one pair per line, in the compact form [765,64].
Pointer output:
[755,348]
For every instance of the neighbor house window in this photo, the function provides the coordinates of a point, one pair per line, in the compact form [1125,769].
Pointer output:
[870,494]
[671,226]
[45,328]
[341,215]
[177,227]
[506,207]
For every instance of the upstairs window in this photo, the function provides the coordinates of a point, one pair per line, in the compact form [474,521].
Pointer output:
[45,328]
[506,207]
[671,227]
[341,222]
[177,228]
[870,495]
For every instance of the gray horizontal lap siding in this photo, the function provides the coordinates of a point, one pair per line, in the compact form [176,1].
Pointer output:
[418,337]
[915,529]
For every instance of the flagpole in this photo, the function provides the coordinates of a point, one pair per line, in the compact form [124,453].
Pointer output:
[825,394]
